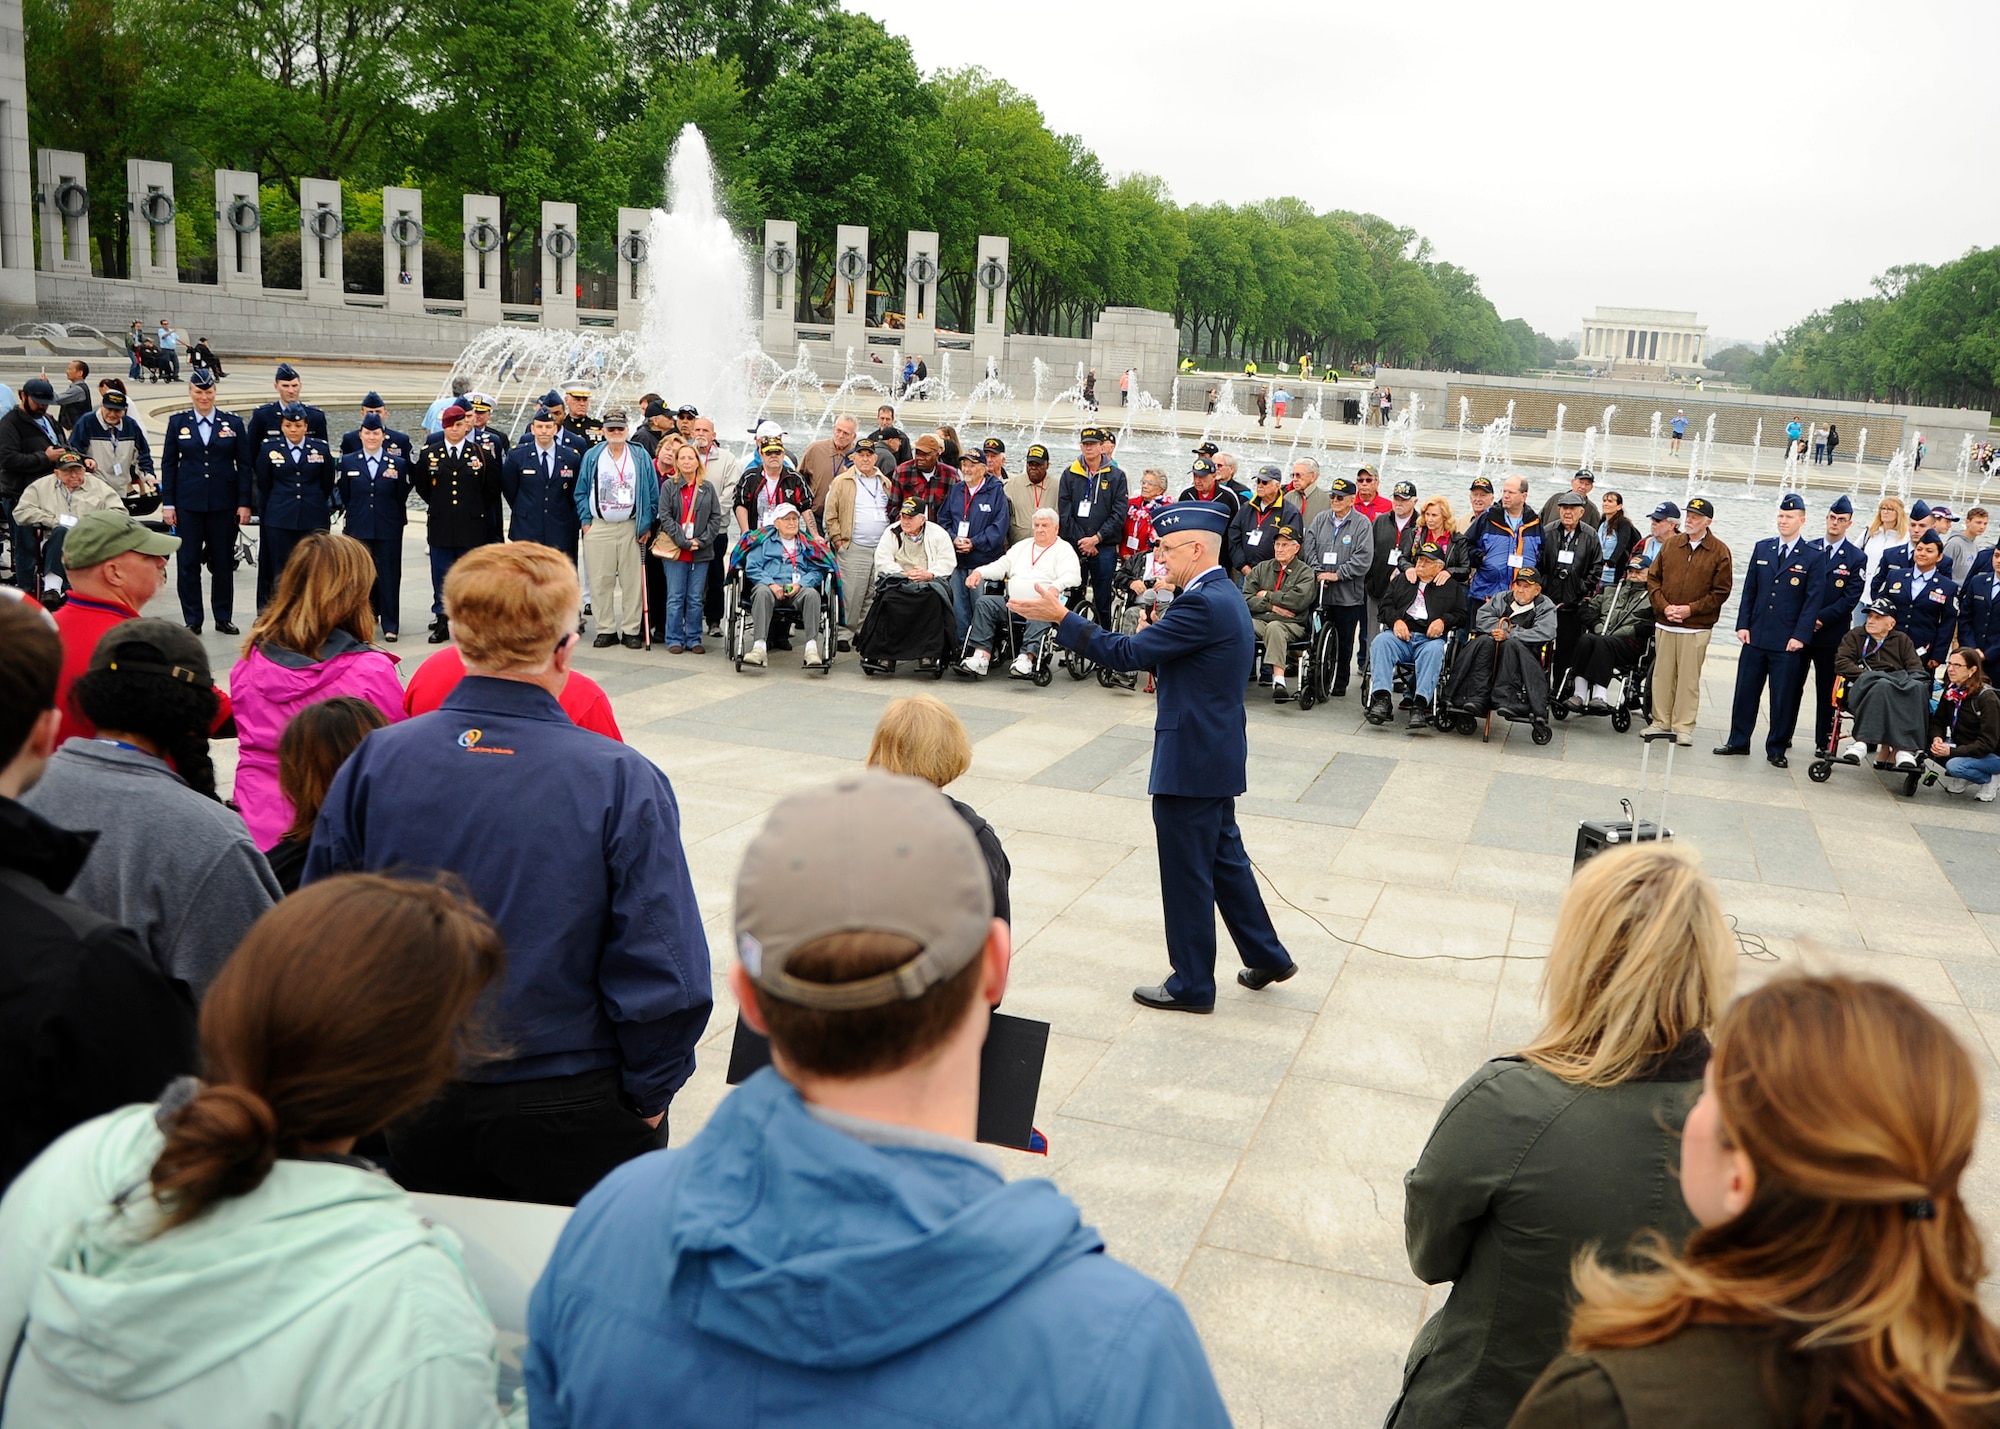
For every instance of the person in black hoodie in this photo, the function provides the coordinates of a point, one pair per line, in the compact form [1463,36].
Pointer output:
[88,1023]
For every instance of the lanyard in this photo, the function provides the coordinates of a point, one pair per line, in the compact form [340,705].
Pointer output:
[1035,555]
[687,502]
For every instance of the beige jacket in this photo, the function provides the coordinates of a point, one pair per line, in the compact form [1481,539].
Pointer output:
[838,513]
[46,502]
[1021,504]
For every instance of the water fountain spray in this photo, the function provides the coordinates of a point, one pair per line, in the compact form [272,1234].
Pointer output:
[1605,427]
[1556,442]
[1756,450]
[1458,449]
[1653,447]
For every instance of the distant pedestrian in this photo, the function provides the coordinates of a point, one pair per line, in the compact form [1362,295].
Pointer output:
[1388,400]
[1280,400]
[1680,427]
[1832,442]
[1090,390]
[1125,388]
[1922,447]
[170,351]
[1818,448]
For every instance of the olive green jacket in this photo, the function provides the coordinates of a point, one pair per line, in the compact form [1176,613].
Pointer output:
[1296,593]
[1705,1375]
[1522,1171]
[1623,610]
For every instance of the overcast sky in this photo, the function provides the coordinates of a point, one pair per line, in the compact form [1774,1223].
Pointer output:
[1750,160]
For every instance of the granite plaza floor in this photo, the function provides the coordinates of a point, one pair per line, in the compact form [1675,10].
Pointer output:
[1253,1160]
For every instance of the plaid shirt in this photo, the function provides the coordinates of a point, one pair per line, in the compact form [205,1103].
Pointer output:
[911,483]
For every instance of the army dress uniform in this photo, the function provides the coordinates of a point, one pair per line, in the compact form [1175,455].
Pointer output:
[1782,597]
[294,496]
[461,489]
[375,492]
[207,471]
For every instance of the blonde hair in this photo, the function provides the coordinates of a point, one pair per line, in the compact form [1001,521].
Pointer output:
[510,605]
[921,736]
[1858,1110]
[1900,525]
[1450,518]
[323,588]
[1641,958]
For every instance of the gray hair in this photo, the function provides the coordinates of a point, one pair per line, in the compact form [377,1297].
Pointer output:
[1225,459]
[1308,463]
[460,386]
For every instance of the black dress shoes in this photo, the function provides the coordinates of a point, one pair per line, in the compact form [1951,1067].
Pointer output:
[1160,999]
[1728,749]
[1778,761]
[1257,979]
[224,627]
[194,627]
[633,642]
[604,641]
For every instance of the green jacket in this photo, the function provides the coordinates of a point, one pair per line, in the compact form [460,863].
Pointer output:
[319,1299]
[1522,1171]
[1629,608]
[1705,1375]
[1295,593]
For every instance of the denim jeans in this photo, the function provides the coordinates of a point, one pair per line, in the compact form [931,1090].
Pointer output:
[962,599]
[1426,654]
[1980,770]
[686,581]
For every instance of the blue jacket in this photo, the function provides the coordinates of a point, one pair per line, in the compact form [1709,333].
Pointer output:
[1781,600]
[1201,649]
[264,423]
[1495,544]
[1842,578]
[783,1273]
[1104,493]
[293,495]
[90,428]
[216,477]
[1928,619]
[392,441]
[377,508]
[1979,612]
[765,561]
[645,486]
[544,511]
[986,517]
[607,964]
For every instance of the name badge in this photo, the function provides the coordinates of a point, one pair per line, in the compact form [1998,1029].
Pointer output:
[1395,557]
[1253,538]
[687,530]
[66,520]
[1514,561]
[1565,558]
[964,530]
[1082,509]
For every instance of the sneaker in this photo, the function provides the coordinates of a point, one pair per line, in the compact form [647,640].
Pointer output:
[1654,731]
[812,652]
[1956,786]
[1685,739]
[1378,711]
[757,655]
[1024,664]
[1987,790]
[977,663]
[1279,694]
[1853,753]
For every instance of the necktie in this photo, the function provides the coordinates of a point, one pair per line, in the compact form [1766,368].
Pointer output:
[545,466]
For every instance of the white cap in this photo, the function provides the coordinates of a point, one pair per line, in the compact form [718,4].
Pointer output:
[768,428]
[783,508]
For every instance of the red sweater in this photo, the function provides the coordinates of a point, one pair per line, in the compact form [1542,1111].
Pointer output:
[82,622]
[582,699]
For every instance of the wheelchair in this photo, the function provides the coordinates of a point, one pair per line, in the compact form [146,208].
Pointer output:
[1635,693]
[1469,722]
[1007,646]
[1306,658]
[1824,760]
[738,632]
[1403,683]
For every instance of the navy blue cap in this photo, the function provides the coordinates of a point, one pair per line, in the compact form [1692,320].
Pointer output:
[286,373]
[40,388]
[1192,516]
[201,377]
[292,412]
[1791,501]
[552,398]
[548,414]
[1931,538]
[371,423]
[1921,510]
[1665,511]
[1202,465]
[373,399]
[1841,506]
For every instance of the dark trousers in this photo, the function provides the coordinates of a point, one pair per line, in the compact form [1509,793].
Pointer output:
[208,543]
[1203,868]
[1346,623]
[1784,671]
[443,558]
[711,600]
[1098,571]
[656,595]
[385,596]
[21,541]
[1819,655]
[275,548]
[1598,657]
[1569,627]
[548,1140]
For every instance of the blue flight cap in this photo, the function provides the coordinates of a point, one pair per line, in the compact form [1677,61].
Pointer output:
[1921,510]
[552,398]
[371,423]
[286,373]
[1791,501]
[373,399]
[1192,516]
[201,377]
[1929,538]
[292,412]
[1841,506]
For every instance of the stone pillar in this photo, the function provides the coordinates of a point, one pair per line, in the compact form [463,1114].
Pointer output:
[850,291]
[920,289]
[989,298]
[324,276]
[403,250]
[17,182]
[559,250]
[65,205]
[781,287]
[635,244]
[239,236]
[482,258]
[149,206]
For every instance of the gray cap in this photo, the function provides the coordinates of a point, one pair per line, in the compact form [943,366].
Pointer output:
[1570,498]
[924,879]
[614,417]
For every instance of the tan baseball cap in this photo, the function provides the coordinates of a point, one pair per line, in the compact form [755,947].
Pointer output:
[922,878]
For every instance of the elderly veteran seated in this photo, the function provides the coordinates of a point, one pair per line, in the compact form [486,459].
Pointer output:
[1043,559]
[911,617]
[1280,591]
[1616,626]
[57,502]
[784,569]
[1886,689]
[1420,609]
[1500,667]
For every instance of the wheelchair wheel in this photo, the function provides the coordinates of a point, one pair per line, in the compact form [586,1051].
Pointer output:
[1542,734]
[1820,770]
[1466,724]
[1043,675]
[1558,709]
[1621,720]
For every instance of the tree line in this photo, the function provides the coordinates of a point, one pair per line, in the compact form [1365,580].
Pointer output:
[1926,335]
[811,114]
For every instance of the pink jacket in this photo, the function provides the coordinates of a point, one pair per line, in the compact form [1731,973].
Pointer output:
[269,686]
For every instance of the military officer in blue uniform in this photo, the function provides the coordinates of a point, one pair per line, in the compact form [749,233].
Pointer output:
[395,443]
[1926,599]
[288,385]
[1843,574]
[1979,606]
[539,482]
[1774,619]
[207,466]
[1200,650]
[374,488]
[295,475]
[460,484]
